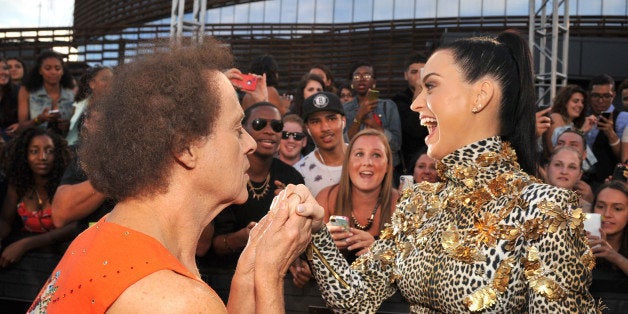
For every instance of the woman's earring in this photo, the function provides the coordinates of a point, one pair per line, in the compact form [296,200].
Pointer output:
[351,86]
[475,109]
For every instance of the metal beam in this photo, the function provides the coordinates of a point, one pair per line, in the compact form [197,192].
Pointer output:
[549,21]
[181,27]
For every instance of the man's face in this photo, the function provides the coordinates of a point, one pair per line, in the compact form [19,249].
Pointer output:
[265,126]
[601,97]
[573,140]
[326,128]
[413,74]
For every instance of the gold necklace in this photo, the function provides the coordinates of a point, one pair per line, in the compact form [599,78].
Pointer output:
[264,188]
[369,222]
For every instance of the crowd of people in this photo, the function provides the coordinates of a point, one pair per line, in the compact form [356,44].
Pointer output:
[219,176]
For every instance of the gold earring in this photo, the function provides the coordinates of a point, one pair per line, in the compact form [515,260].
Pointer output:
[475,110]
[351,86]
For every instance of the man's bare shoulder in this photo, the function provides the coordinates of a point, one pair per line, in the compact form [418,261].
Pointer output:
[168,292]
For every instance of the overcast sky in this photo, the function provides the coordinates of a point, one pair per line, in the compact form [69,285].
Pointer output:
[36,13]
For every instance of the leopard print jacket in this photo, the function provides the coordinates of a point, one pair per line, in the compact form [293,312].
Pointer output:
[487,239]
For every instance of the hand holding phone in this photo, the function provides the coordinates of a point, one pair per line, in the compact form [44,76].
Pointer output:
[593,223]
[372,94]
[340,221]
[248,82]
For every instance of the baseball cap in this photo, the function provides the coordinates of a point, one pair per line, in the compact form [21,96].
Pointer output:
[321,101]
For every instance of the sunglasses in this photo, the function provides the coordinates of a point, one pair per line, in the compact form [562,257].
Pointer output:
[297,136]
[259,124]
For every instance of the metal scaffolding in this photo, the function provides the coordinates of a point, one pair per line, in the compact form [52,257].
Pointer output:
[179,24]
[550,59]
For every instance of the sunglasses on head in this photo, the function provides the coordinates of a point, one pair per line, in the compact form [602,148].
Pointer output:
[297,136]
[259,124]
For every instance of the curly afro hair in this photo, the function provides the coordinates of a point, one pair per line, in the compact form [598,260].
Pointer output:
[156,107]
[17,169]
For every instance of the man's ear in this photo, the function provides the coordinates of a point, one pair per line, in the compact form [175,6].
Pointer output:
[187,157]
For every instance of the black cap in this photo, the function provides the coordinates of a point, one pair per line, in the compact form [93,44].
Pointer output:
[321,101]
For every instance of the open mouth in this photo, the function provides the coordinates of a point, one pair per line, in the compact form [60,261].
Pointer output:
[429,122]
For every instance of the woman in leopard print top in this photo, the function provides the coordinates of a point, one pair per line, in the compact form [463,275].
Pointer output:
[490,237]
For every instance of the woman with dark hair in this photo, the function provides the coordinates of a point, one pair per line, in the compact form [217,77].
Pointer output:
[489,237]
[424,167]
[568,111]
[309,85]
[92,85]
[8,102]
[45,98]
[266,64]
[345,92]
[328,78]
[611,249]
[34,165]
[17,69]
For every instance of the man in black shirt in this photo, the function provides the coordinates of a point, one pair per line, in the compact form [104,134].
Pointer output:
[267,176]
[412,133]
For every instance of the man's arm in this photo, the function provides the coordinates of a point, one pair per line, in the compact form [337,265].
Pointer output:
[74,202]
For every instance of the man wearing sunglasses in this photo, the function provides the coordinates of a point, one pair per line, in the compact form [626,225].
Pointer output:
[293,139]
[267,177]
[604,138]
[324,120]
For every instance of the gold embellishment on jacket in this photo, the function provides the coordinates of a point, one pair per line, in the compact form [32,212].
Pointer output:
[486,229]
[481,299]
[537,279]
[534,228]
[588,260]
[453,245]
[487,296]
[560,218]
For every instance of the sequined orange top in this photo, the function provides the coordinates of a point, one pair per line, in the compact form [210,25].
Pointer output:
[99,265]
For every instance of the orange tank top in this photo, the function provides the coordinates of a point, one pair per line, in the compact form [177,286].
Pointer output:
[100,264]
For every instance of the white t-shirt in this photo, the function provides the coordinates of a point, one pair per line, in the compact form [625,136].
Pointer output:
[317,176]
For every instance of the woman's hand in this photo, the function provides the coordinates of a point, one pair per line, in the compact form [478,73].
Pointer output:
[543,122]
[301,272]
[13,252]
[340,235]
[601,248]
[360,240]
[306,205]
[588,124]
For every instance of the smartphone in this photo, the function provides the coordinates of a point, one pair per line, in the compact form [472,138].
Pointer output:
[606,115]
[620,173]
[53,111]
[340,221]
[593,223]
[248,82]
[372,94]
[543,107]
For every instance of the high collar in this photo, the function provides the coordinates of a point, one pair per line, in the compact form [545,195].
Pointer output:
[478,163]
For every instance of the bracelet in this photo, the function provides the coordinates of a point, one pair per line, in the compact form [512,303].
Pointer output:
[229,248]
[616,142]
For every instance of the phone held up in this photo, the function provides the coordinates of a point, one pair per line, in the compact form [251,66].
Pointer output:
[620,173]
[606,115]
[340,221]
[248,82]
[372,94]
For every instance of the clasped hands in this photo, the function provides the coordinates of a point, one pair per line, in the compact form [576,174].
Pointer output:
[283,234]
